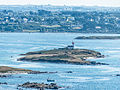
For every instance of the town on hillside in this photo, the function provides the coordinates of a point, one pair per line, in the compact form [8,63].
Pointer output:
[59,19]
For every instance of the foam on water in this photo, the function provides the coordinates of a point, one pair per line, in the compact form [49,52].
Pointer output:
[34,48]
[74,79]
[112,51]
[83,79]
[34,65]
[88,80]
[104,69]
[102,79]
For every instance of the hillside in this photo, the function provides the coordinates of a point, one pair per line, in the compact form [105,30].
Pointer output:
[59,19]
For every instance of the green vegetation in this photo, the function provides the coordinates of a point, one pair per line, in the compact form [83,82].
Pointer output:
[5,69]
[73,20]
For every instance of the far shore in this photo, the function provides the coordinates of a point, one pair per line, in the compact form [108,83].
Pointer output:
[62,32]
[98,37]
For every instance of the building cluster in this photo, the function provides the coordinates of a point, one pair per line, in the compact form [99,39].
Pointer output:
[59,21]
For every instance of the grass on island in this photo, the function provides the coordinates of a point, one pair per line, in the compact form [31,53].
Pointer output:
[5,69]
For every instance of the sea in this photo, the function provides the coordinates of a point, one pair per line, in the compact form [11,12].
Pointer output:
[84,77]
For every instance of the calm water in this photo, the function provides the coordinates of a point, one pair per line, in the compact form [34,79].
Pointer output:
[83,77]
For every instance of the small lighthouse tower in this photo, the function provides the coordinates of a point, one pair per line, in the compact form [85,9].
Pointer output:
[73,44]
[70,46]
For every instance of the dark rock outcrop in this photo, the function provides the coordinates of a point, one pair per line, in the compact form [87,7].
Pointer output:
[41,86]
[117,74]
[3,83]
[38,72]
[4,76]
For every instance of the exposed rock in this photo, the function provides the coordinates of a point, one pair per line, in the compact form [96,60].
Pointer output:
[38,72]
[117,74]
[4,76]
[62,55]
[3,83]
[69,72]
[41,86]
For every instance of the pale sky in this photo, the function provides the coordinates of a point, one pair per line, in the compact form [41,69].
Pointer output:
[113,3]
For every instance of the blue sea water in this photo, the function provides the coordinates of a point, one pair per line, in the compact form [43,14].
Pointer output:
[84,77]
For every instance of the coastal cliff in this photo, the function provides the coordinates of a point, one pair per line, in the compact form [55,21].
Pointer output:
[63,55]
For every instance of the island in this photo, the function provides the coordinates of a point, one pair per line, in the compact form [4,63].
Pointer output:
[67,55]
[6,71]
[40,86]
[98,37]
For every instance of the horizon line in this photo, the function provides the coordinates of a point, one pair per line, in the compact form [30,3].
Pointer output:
[58,5]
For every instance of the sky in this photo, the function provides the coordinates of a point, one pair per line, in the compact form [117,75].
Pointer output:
[108,3]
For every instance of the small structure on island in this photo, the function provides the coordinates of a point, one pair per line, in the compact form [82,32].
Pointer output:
[70,46]
[50,80]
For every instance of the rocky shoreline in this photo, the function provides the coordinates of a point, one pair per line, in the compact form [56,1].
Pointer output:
[6,71]
[63,55]
[40,86]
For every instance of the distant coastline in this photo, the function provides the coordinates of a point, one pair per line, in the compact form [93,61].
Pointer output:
[98,37]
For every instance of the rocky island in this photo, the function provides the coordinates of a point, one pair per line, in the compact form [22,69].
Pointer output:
[66,55]
[98,37]
[40,86]
[9,70]
[6,71]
